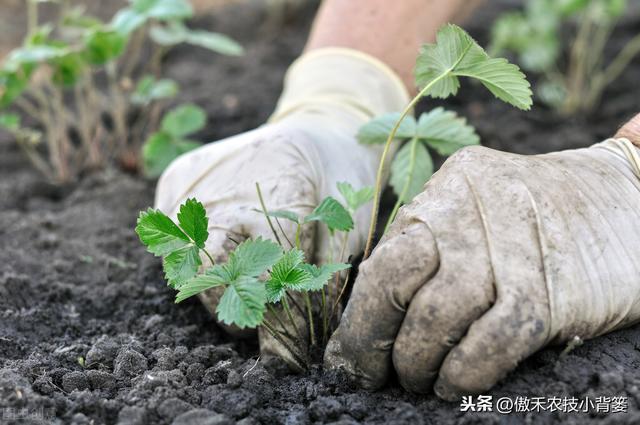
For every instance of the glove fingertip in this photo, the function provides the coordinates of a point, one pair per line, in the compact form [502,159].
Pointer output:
[336,359]
[446,390]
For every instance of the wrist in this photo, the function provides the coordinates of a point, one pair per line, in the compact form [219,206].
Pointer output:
[344,79]
[631,131]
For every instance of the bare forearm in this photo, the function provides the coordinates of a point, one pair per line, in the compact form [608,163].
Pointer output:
[389,31]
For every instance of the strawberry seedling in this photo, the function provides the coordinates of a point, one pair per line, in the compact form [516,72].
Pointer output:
[438,70]
[260,275]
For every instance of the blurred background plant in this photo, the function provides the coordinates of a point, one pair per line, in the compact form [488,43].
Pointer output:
[574,76]
[91,91]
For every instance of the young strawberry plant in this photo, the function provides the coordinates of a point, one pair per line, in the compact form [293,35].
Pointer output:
[170,141]
[535,36]
[440,130]
[260,276]
[77,93]
[438,70]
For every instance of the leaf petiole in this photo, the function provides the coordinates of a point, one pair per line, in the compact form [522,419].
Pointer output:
[285,305]
[312,331]
[266,214]
[274,333]
[387,146]
[213,263]
[412,165]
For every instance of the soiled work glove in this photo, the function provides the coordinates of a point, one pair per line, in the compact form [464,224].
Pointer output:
[308,146]
[500,255]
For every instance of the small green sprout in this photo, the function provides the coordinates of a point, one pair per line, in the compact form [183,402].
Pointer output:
[439,68]
[170,142]
[260,275]
[354,198]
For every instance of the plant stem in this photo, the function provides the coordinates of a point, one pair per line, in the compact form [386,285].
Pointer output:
[266,214]
[29,108]
[325,327]
[36,159]
[283,233]
[94,98]
[577,64]
[32,16]
[298,229]
[85,125]
[287,310]
[296,305]
[378,187]
[331,243]
[312,331]
[130,59]
[407,184]
[61,118]
[340,259]
[119,107]
[213,263]
[613,71]
[64,11]
[335,305]
[272,330]
[48,122]
[598,43]
[285,332]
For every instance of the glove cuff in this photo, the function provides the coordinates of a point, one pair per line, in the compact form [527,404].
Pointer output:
[342,78]
[625,148]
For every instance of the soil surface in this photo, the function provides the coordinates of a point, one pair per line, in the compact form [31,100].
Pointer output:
[89,333]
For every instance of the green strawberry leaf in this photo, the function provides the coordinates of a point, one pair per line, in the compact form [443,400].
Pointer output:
[378,129]
[355,198]
[183,120]
[10,121]
[149,89]
[286,274]
[214,276]
[455,54]
[215,42]
[410,170]
[193,220]
[103,46]
[254,257]
[160,149]
[243,303]
[320,275]
[445,132]
[67,69]
[127,20]
[181,265]
[164,10]
[287,215]
[159,233]
[333,214]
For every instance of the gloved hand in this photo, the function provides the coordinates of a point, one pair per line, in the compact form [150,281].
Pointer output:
[308,146]
[500,255]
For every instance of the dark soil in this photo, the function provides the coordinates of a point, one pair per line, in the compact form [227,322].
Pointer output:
[89,332]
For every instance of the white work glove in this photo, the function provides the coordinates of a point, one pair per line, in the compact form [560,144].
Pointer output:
[500,255]
[297,158]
